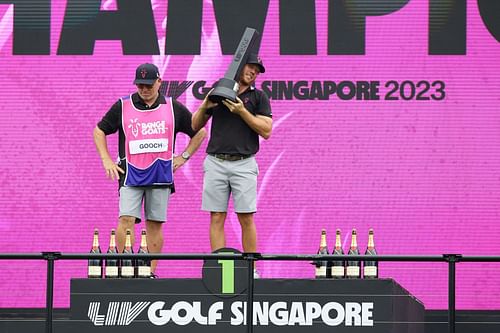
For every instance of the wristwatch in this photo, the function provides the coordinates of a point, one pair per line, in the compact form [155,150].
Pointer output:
[185,155]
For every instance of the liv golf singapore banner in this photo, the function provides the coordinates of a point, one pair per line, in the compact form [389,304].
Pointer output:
[184,305]
[385,113]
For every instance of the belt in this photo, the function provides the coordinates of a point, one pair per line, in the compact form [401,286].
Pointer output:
[231,157]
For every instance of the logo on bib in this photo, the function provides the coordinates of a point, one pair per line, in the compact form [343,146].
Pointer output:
[134,126]
[155,127]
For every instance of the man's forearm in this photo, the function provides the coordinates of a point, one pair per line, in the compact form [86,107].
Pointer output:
[261,124]
[101,144]
[199,119]
[196,141]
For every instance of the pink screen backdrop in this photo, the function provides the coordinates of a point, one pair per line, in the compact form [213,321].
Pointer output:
[424,174]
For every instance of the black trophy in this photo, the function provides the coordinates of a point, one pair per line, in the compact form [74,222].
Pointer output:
[227,87]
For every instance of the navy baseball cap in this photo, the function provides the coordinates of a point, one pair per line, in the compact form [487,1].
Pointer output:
[146,74]
[255,59]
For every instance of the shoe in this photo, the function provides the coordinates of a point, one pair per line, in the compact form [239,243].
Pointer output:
[153,276]
[256,274]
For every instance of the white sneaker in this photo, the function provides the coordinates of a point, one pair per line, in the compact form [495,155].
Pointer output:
[256,274]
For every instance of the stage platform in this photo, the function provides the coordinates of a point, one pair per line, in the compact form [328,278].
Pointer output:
[290,305]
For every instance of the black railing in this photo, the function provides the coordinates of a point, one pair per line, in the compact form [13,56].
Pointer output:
[51,257]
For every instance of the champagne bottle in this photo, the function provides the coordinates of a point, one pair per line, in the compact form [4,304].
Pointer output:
[127,265]
[95,265]
[322,265]
[111,270]
[353,267]
[143,265]
[370,267]
[338,266]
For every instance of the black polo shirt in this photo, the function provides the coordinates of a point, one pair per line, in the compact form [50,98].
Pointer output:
[112,121]
[229,133]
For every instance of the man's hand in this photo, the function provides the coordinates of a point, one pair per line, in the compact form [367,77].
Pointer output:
[208,104]
[178,162]
[200,117]
[112,170]
[236,108]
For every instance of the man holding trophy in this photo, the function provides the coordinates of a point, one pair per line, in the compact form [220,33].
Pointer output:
[230,166]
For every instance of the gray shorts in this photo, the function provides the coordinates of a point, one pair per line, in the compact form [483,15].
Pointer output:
[225,177]
[155,202]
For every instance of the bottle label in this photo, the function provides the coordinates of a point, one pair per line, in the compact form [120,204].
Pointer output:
[321,271]
[353,271]
[111,271]
[337,271]
[127,271]
[94,271]
[144,271]
[370,271]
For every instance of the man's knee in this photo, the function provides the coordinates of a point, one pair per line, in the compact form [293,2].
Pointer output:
[217,218]
[127,221]
[246,219]
[154,226]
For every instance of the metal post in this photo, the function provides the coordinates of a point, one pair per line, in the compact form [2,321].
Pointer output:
[50,257]
[249,316]
[452,260]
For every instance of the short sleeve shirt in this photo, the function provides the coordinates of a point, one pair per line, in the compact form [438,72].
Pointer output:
[229,133]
